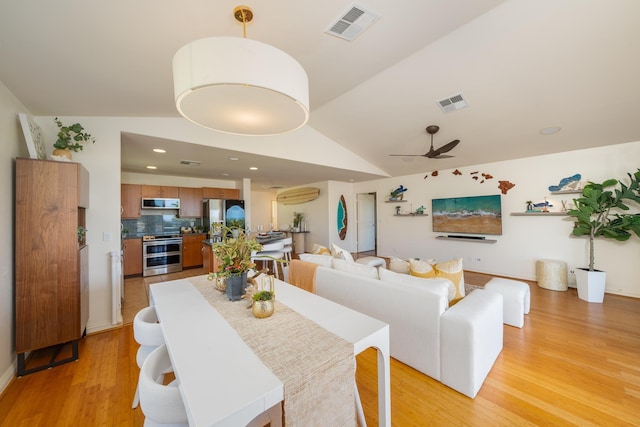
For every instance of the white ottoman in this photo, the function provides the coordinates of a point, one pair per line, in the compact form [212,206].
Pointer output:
[372,261]
[516,299]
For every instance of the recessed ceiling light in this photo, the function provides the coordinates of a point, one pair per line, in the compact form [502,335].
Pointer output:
[159,150]
[225,174]
[253,168]
[234,158]
[550,130]
[152,167]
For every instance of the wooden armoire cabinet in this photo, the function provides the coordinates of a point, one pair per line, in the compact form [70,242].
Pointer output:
[51,257]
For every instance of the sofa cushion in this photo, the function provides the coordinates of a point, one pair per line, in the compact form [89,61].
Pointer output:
[361,270]
[320,250]
[340,253]
[399,278]
[324,260]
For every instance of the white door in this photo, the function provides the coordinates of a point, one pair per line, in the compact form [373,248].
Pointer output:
[366,222]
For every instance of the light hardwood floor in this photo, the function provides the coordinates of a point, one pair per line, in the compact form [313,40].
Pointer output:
[573,363]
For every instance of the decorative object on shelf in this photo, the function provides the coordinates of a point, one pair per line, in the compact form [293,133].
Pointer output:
[70,138]
[420,210]
[33,137]
[298,217]
[221,81]
[397,210]
[505,186]
[568,183]
[298,195]
[598,212]
[529,206]
[82,232]
[544,206]
[397,194]
[234,253]
[342,218]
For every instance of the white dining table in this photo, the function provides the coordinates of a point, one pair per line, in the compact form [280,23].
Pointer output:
[222,382]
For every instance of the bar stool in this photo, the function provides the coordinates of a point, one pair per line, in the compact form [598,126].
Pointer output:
[271,252]
[161,404]
[148,333]
[288,248]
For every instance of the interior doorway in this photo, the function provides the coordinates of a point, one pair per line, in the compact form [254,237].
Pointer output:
[367,218]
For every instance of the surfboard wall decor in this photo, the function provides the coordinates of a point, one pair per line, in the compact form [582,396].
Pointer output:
[342,218]
[298,195]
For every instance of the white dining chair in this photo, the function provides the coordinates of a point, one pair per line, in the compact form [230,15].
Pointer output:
[271,252]
[288,248]
[161,404]
[148,333]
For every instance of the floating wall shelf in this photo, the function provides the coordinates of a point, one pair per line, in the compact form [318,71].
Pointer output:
[411,214]
[395,201]
[538,214]
[567,192]
[466,239]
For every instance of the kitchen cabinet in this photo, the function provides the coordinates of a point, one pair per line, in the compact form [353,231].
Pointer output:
[192,255]
[51,262]
[190,202]
[210,262]
[220,193]
[132,263]
[130,203]
[161,191]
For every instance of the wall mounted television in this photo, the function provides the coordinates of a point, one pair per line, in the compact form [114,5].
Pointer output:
[468,215]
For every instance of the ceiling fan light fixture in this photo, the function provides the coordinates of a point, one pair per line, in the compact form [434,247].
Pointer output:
[240,86]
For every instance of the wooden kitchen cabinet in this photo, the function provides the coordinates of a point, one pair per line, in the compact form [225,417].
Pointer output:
[132,263]
[51,263]
[210,263]
[161,191]
[190,202]
[192,250]
[220,193]
[130,201]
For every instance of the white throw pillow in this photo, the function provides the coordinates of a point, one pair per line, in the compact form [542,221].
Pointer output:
[323,260]
[340,253]
[398,265]
[355,268]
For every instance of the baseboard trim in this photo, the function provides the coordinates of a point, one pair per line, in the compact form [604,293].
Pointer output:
[8,375]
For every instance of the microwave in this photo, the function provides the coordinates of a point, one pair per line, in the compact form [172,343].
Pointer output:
[160,203]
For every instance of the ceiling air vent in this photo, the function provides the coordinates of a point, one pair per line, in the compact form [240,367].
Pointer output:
[190,162]
[352,23]
[453,103]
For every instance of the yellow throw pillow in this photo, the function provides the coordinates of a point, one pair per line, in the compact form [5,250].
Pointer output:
[320,250]
[453,271]
[421,268]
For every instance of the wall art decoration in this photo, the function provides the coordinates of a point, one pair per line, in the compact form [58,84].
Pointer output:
[342,218]
[33,137]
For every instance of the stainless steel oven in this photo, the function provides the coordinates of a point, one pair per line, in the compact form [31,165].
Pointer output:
[161,255]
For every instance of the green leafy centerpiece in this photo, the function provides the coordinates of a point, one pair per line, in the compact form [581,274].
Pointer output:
[70,138]
[234,253]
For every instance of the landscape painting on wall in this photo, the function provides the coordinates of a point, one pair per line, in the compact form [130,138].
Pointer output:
[468,215]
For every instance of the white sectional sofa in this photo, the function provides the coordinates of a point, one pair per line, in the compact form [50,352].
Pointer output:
[456,346]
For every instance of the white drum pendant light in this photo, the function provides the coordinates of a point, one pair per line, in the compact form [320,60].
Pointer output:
[240,86]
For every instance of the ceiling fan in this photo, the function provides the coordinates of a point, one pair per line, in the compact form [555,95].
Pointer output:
[434,154]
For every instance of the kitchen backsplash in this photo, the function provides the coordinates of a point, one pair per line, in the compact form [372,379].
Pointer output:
[157,224]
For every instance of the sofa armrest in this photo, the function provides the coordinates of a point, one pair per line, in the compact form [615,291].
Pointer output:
[470,341]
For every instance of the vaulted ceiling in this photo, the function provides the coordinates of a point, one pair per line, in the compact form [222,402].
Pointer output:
[522,66]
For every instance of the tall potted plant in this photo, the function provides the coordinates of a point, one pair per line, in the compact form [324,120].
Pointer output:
[599,213]
[234,253]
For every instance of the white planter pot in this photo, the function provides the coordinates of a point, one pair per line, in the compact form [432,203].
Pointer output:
[590,284]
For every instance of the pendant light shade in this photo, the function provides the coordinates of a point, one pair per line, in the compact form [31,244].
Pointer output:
[240,86]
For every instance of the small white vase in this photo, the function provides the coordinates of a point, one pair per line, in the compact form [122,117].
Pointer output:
[591,284]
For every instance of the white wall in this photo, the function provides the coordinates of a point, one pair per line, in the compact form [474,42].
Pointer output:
[13,146]
[524,239]
[261,209]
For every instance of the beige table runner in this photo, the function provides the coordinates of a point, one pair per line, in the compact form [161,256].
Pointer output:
[316,367]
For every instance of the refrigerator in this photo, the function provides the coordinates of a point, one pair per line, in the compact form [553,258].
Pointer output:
[225,212]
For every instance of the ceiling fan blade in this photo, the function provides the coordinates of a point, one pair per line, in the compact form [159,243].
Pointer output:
[408,155]
[447,147]
[442,156]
